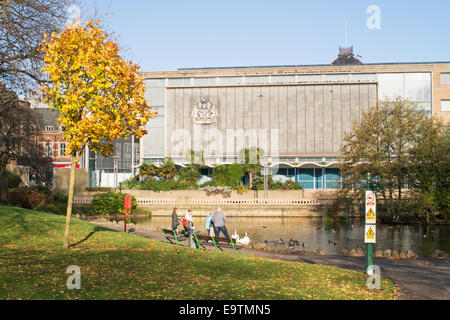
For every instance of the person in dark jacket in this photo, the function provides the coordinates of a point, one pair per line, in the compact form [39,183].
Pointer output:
[175,221]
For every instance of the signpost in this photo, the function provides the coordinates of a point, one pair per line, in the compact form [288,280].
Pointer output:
[370,229]
[127,206]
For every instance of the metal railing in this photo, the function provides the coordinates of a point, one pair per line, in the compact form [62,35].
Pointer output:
[162,201]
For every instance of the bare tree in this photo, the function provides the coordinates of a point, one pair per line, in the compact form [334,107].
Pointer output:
[18,124]
[23,24]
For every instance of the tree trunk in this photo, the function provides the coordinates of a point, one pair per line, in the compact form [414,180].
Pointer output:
[73,162]
[250,176]
[3,185]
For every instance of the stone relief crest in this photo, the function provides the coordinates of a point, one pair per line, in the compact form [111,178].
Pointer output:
[205,112]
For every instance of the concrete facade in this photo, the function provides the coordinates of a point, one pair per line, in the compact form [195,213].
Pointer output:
[286,121]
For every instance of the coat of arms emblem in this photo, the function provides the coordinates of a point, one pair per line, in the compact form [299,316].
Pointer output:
[205,112]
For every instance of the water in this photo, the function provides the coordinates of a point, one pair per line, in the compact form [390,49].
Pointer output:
[330,236]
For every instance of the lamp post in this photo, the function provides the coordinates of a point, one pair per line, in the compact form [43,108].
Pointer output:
[266,184]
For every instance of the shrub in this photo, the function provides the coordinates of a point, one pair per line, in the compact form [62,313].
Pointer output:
[291,185]
[189,175]
[228,175]
[111,203]
[241,189]
[100,189]
[29,198]
[131,183]
[14,180]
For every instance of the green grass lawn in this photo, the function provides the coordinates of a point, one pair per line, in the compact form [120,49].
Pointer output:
[115,265]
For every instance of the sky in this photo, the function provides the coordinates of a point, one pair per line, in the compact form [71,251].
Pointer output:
[170,34]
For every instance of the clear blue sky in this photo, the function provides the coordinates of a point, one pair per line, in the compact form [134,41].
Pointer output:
[168,34]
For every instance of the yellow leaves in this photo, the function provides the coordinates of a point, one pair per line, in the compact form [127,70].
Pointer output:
[99,95]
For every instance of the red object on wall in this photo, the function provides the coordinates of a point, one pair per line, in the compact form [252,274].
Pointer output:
[65,165]
[127,204]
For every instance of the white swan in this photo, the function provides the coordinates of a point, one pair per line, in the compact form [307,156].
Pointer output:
[245,240]
[235,236]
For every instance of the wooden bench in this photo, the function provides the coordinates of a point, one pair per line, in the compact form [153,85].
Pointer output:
[170,235]
[218,243]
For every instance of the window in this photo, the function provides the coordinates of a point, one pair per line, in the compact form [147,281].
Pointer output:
[390,86]
[231,80]
[445,105]
[310,78]
[418,86]
[257,80]
[283,79]
[49,128]
[179,82]
[205,81]
[62,149]
[48,149]
[363,77]
[336,77]
[445,78]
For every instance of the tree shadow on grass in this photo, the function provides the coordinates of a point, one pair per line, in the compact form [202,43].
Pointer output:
[96,229]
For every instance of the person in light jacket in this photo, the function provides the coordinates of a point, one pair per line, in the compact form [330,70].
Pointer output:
[218,219]
[209,225]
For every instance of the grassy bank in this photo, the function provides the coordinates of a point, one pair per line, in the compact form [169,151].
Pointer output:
[115,265]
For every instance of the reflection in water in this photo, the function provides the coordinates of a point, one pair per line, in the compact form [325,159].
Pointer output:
[321,234]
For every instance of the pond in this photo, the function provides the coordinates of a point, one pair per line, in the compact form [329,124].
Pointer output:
[327,235]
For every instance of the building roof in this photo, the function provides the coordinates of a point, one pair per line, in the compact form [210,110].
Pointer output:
[316,65]
[47,117]
[346,57]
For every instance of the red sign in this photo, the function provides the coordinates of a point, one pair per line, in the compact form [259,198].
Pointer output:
[127,204]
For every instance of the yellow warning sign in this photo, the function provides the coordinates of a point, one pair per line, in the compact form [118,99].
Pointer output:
[370,214]
[370,234]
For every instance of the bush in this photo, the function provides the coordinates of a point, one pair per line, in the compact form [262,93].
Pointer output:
[291,185]
[29,198]
[14,180]
[131,183]
[189,175]
[228,175]
[111,203]
[210,183]
[100,189]
[241,189]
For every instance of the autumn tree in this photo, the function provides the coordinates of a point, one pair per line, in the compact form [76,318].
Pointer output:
[99,95]
[382,144]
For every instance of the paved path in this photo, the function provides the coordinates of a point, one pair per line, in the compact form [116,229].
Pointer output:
[424,279]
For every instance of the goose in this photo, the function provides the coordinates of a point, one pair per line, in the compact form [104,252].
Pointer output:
[245,240]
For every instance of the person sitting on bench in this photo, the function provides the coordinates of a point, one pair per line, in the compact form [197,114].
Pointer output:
[175,221]
[218,219]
